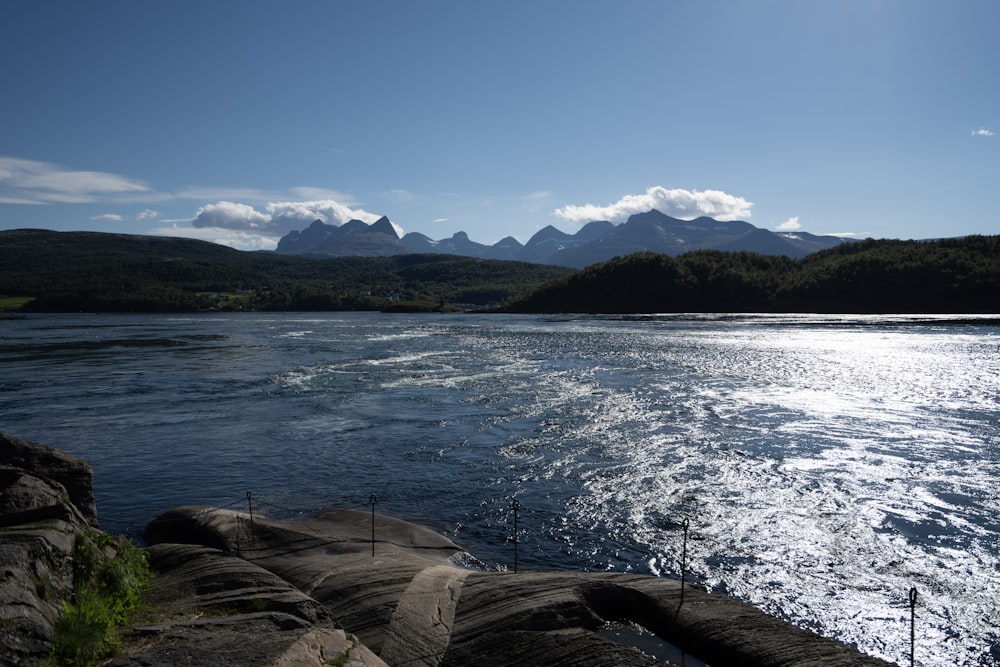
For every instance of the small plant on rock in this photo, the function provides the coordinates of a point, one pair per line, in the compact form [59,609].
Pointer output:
[109,577]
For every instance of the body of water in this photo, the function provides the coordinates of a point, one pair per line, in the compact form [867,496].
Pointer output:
[825,465]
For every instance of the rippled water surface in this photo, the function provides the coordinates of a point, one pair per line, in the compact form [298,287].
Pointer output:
[826,466]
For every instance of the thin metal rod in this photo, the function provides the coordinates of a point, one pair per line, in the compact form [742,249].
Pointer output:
[373,500]
[684,555]
[253,539]
[515,505]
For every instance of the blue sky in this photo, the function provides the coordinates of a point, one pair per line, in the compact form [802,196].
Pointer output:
[236,122]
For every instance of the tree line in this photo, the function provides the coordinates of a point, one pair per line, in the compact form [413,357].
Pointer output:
[872,276]
[89,271]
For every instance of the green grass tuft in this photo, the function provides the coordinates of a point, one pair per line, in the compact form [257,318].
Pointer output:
[109,577]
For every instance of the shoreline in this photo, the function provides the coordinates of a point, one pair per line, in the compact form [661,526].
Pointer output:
[232,589]
[404,594]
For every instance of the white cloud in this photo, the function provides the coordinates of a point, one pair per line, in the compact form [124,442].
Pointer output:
[230,215]
[278,218]
[298,214]
[982,132]
[33,182]
[789,225]
[677,202]
[19,200]
[233,238]
[848,235]
[37,182]
[243,227]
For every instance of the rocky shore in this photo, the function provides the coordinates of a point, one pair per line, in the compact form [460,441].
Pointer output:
[46,500]
[230,591]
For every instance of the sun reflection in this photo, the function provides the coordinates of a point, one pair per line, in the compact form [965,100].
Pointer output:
[813,465]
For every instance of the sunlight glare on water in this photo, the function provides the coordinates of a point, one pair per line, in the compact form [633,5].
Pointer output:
[816,467]
[826,465]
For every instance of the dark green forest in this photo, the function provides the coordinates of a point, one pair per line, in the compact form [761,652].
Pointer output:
[89,271]
[872,276]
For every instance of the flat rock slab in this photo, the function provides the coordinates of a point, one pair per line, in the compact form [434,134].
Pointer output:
[420,629]
[412,605]
[212,608]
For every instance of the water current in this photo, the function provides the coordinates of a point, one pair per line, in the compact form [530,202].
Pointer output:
[825,465]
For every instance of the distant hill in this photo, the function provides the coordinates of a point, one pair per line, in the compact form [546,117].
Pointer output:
[73,271]
[595,242]
[960,276]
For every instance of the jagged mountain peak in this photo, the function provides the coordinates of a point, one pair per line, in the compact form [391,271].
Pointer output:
[597,241]
[384,226]
[354,237]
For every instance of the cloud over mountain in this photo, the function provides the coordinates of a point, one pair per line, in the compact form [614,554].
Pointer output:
[789,225]
[677,202]
[278,218]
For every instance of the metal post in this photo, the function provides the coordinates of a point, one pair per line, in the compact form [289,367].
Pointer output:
[684,555]
[913,621]
[373,500]
[253,538]
[515,505]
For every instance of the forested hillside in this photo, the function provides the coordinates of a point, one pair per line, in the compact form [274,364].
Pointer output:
[946,276]
[87,271]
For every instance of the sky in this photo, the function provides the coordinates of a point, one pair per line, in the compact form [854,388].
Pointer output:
[237,122]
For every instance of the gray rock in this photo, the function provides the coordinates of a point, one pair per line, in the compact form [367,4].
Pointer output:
[35,573]
[48,463]
[23,491]
[412,606]
[38,529]
[212,608]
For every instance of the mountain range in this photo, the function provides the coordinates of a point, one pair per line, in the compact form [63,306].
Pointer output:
[595,242]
